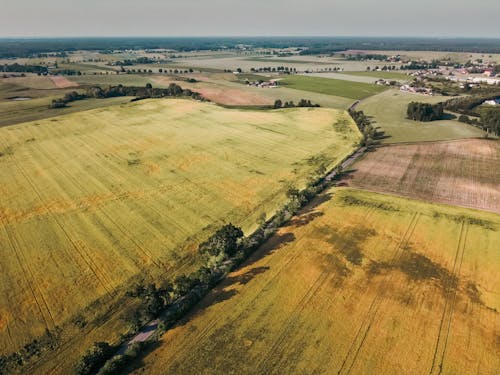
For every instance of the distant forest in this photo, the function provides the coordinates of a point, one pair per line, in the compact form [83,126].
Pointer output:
[27,47]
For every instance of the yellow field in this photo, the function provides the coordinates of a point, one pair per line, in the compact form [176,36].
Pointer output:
[90,199]
[359,283]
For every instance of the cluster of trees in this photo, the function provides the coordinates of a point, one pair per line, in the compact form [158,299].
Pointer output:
[363,57]
[148,91]
[94,358]
[302,103]
[67,72]
[468,105]
[18,68]
[48,341]
[160,70]
[284,69]
[67,98]
[139,60]
[416,65]
[365,126]
[471,121]
[484,117]
[490,119]
[425,111]
[384,68]
[117,363]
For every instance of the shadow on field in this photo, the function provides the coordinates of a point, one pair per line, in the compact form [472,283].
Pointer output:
[345,177]
[448,116]
[315,203]
[304,219]
[138,364]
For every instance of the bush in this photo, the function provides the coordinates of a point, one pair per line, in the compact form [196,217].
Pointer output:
[94,358]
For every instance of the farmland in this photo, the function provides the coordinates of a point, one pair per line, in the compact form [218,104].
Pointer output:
[464,173]
[346,89]
[93,198]
[384,75]
[357,283]
[388,110]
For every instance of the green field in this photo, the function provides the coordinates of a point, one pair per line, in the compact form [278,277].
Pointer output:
[289,61]
[388,110]
[14,112]
[382,75]
[346,89]
[91,199]
[358,283]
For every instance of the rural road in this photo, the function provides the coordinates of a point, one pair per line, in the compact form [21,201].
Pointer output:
[144,334]
[345,164]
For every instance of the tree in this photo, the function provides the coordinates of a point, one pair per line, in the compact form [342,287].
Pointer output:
[224,241]
[278,104]
[491,120]
[94,358]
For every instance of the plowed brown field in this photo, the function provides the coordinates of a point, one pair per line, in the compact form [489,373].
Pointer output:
[464,173]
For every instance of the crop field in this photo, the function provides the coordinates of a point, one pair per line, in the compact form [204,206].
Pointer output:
[388,110]
[90,199]
[222,89]
[14,112]
[382,75]
[346,89]
[357,283]
[62,82]
[114,79]
[464,173]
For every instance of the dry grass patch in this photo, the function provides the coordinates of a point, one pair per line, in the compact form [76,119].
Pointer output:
[62,82]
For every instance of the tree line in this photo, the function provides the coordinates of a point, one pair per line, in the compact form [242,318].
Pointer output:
[302,103]
[18,68]
[97,92]
[365,126]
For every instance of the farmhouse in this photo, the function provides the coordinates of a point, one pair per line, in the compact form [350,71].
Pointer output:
[492,102]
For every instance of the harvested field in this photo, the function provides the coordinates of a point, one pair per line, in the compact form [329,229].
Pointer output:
[464,173]
[229,96]
[31,82]
[360,283]
[62,82]
[89,200]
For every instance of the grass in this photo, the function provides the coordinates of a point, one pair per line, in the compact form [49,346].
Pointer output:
[352,287]
[464,172]
[91,199]
[289,61]
[384,75]
[346,89]
[388,110]
[14,112]
[114,79]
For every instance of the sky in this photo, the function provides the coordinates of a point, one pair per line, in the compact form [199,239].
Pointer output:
[422,18]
